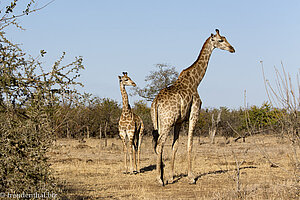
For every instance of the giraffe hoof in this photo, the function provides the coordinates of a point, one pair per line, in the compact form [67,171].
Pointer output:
[133,172]
[192,181]
[161,182]
[171,181]
[125,172]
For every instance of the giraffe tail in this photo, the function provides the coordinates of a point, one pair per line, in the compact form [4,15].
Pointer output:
[154,117]
[155,139]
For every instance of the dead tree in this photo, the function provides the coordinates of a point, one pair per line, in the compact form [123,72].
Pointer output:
[105,133]
[214,126]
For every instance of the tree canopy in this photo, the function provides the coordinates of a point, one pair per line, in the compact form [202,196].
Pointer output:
[164,76]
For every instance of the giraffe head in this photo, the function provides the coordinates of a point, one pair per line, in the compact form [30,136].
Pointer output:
[126,80]
[220,42]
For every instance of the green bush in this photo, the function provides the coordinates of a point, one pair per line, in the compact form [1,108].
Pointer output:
[261,118]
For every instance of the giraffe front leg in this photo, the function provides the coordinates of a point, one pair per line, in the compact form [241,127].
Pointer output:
[134,159]
[196,105]
[191,176]
[123,138]
[132,156]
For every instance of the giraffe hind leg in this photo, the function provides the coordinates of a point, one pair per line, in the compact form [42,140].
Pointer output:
[163,133]
[174,150]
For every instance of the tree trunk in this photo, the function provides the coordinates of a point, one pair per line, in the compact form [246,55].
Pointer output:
[100,132]
[214,126]
[68,131]
[105,134]
[87,132]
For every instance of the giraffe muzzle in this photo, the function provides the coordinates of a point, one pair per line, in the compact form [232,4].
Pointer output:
[231,50]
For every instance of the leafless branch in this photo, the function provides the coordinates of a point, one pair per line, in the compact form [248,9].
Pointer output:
[25,13]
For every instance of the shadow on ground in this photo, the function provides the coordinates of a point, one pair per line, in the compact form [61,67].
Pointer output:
[148,168]
[180,176]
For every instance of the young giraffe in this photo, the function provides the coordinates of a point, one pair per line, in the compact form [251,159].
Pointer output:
[180,102]
[130,125]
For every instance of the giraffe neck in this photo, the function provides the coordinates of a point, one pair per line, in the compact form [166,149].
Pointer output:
[126,106]
[193,75]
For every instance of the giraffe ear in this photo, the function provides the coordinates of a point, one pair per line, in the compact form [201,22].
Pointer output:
[120,77]
[212,37]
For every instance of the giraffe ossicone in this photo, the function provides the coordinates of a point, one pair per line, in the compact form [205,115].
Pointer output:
[181,102]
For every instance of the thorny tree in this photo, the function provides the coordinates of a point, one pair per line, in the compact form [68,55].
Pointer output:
[29,99]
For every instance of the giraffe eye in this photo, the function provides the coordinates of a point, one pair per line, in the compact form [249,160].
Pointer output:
[126,79]
[221,40]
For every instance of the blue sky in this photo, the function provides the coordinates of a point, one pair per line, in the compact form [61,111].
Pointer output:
[115,36]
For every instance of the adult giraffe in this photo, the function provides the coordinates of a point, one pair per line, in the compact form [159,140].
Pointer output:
[180,102]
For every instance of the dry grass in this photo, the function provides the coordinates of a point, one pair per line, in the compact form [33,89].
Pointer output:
[91,171]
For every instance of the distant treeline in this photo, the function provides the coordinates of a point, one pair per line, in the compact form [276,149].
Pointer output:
[98,118]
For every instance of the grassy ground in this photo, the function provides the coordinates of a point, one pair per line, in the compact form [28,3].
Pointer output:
[267,170]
